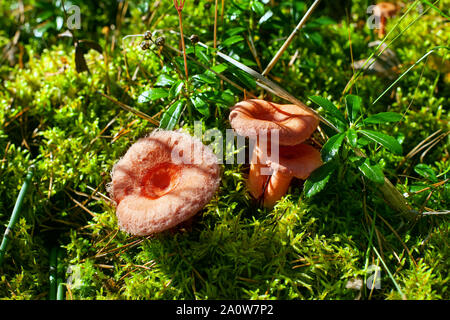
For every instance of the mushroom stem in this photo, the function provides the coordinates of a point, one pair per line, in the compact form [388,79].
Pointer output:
[276,188]
[382,30]
[256,180]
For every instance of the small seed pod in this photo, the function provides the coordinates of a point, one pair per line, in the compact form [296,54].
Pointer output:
[194,39]
[160,41]
[145,45]
[148,35]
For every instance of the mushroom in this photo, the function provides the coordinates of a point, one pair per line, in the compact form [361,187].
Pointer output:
[254,118]
[163,180]
[297,161]
[384,10]
[294,124]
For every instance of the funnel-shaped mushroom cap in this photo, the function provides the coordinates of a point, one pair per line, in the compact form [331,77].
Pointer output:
[385,9]
[162,180]
[298,161]
[254,117]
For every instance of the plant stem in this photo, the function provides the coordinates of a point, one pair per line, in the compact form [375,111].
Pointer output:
[179,7]
[183,46]
[215,25]
[15,214]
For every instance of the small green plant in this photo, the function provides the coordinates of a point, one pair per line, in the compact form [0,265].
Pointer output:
[342,151]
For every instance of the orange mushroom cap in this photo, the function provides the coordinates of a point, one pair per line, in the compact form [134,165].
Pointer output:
[155,190]
[297,161]
[252,117]
[385,9]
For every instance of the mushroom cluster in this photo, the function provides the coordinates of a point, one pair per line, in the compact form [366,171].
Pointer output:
[291,126]
[163,180]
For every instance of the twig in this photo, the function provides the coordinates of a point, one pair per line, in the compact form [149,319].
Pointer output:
[290,38]
[130,109]
[80,204]
[435,212]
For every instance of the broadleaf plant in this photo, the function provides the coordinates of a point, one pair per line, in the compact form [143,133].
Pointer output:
[344,148]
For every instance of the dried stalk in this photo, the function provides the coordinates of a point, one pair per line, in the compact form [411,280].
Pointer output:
[290,38]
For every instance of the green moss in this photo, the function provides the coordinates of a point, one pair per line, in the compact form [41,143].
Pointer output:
[305,248]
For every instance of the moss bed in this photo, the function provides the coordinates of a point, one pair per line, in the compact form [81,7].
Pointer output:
[305,247]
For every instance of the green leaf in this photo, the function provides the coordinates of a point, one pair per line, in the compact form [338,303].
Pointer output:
[176,89]
[383,117]
[322,21]
[352,137]
[353,106]
[385,140]
[228,97]
[258,7]
[170,118]
[372,172]
[204,78]
[232,40]
[153,94]
[426,172]
[244,77]
[319,178]
[219,68]
[164,80]
[338,118]
[331,148]
[314,37]
[234,31]
[200,105]
[201,55]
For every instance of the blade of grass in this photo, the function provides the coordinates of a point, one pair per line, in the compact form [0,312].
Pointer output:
[363,68]
[409,69]
[390,275]
[435,8]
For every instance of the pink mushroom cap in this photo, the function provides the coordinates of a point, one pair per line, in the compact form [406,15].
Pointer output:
[251,117]
[297,161]
[385,9]
[163,180]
